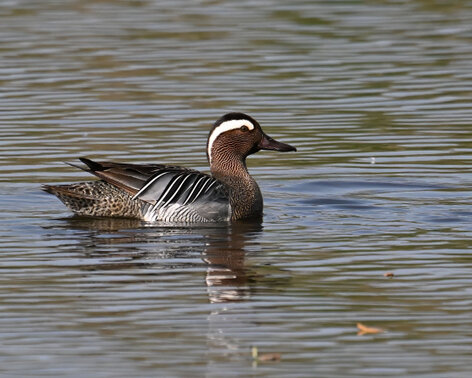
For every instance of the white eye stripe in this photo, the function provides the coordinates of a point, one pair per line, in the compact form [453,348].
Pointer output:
[227,126]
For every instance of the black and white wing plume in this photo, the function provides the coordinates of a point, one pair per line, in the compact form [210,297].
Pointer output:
[188,196]
[168,194]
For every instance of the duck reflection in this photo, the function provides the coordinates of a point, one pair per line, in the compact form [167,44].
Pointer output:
[114,244]
[222,248]
[227,278]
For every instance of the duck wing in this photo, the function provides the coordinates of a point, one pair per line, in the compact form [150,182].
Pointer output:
[128,177]
[170,193]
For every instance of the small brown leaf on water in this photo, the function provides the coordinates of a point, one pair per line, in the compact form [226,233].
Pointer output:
[266,357]
[364,330]
[270,357]
[389,274]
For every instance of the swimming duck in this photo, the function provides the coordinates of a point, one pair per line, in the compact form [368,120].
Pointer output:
[165,193]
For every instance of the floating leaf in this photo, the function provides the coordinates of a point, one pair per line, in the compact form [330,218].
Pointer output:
[266,357]
[364,330]
[270,357]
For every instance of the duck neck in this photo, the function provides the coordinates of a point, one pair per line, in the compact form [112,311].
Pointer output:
[244,194]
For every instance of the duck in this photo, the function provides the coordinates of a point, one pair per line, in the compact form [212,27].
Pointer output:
[174,194]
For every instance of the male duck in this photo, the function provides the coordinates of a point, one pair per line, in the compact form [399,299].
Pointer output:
[156,192]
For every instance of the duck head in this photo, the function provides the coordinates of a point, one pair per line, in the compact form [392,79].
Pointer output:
[236,136]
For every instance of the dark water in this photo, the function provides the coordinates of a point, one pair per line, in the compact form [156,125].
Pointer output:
[377,98]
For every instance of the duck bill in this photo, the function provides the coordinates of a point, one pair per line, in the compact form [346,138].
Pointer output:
[267,143]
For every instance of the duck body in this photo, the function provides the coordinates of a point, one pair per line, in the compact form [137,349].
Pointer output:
[148,192]
[165,193]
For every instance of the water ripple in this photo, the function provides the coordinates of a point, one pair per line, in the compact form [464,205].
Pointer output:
[376,98]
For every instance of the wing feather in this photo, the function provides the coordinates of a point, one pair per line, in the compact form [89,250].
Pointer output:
[168,192]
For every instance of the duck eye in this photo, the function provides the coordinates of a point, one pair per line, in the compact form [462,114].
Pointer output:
[244,128]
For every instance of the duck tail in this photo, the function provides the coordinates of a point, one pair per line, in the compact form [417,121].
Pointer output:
[74,197]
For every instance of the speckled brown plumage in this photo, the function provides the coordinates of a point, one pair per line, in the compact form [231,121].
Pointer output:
[97,199]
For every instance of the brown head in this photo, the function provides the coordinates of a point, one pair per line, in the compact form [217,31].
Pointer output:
[237,135]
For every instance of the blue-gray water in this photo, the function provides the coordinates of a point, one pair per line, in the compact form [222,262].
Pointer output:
[377,98]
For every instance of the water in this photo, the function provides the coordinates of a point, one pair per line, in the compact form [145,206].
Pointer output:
[376,97]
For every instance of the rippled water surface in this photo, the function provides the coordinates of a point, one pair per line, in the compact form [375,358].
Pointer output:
[377,98]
